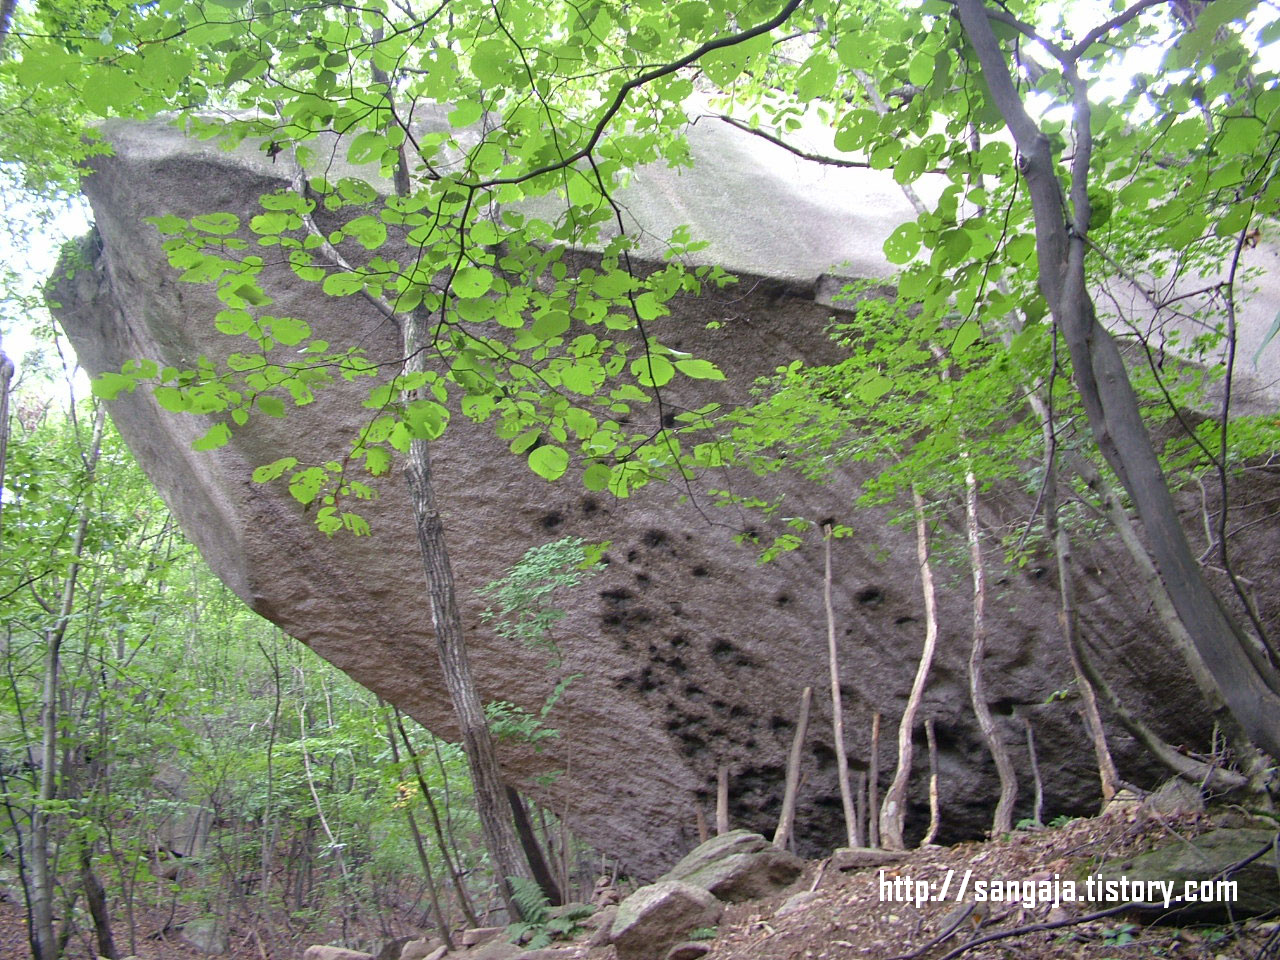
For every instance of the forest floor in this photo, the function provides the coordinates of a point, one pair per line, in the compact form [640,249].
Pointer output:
[830,914]
[847,917]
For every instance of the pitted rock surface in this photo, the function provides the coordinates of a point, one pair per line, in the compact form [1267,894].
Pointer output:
[690,653]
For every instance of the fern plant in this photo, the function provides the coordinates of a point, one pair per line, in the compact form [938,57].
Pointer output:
[540,928]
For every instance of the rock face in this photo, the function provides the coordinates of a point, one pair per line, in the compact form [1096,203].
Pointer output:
[660,915]
[736,866]
[691,654]
[1221,877]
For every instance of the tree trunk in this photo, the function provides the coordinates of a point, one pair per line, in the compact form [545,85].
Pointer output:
[490,792]
[6,380]
[722,799]
[96,897]
[837,704]
[529,841]
[894,812]
[445,844]
[1248,681]
[1002,819]
[45,944]
[782,835]
[935,792]
[873,784]
[428,875]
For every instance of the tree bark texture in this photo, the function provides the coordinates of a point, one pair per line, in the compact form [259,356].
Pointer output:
[1249,683]
[837,705]
[893,813]
[782,836]
[1002,819]
[490,792]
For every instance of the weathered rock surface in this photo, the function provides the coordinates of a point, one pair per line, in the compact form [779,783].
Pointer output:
[208,935]
[334,953]
[419,949]
[736,866]
[660,915]
[691,654]
[860,858]
[1198,868]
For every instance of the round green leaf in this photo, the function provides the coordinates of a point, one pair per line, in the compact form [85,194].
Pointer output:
[471,282]
[903,243]
[549,462]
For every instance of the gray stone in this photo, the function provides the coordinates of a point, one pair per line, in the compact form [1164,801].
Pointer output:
[318,952]
[1175,797]
[746,876]
[1199,862]
[860,858]
[500,949]
[570,952]
[711,613]
[602,921]
[717,848]
[419,949]
[659,915]
[475,936]
[394,949]
[797,902]
[208,935]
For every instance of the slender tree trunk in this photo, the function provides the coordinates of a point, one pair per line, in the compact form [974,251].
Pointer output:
[428,876]
[490,792]
[96,897]
[1108,777]
[935,793]
[837,703]
[6,381]
[455,872]
[1002,819]
[1248,756]
[894,812]
[722,799]
[537,862]
[786,819]
[1037,808]
[45,945]
[1248,681]
[1186,767]
[873,784]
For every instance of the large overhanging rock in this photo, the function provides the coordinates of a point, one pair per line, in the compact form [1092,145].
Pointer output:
[691,654]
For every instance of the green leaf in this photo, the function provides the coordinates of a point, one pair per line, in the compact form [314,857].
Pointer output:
[342,284]
[305,485]
[699,369]
[465,113]
[904,243]
[274,470]
[216,223]
[109,385]
[425,419]
[653,370]
[549,462]
[271,406]
[216,436]
[377,460]
[550,324]
[471,282]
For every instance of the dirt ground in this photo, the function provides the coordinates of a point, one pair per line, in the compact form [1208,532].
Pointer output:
[847,916]
[831,914]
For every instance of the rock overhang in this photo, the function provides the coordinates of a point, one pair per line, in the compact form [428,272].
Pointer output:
[691,654]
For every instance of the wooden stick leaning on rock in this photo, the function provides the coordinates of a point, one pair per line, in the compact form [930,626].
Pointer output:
[787,817]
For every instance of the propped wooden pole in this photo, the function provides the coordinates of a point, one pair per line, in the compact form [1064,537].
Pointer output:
[787,818]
